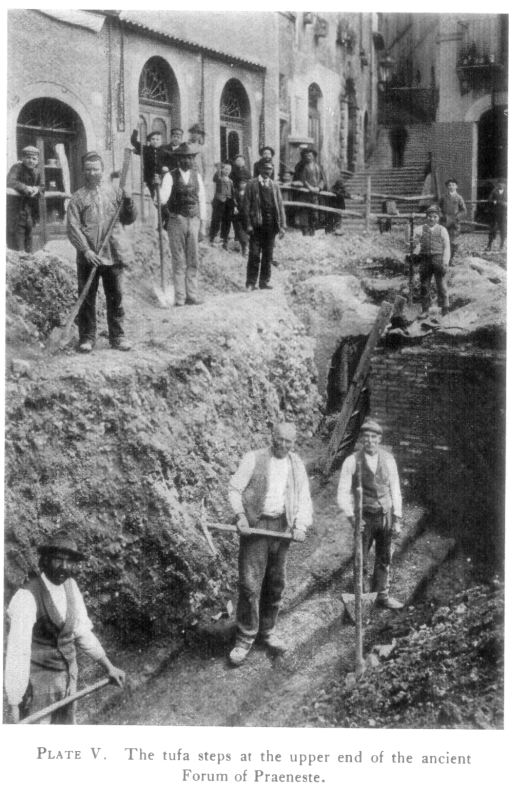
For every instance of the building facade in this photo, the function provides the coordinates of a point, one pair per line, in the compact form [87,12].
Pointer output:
[445,81]
[249,79]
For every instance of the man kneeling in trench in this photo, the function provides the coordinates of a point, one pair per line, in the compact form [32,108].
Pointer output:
[382,506]
[269,491]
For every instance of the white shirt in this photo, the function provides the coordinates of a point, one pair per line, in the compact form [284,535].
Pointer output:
[167,184]
[22,613]
[275,498]
[348,470]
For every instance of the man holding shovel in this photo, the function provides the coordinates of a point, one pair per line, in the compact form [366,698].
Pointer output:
[47,619]
[375,470]
[89,216]
[268,492]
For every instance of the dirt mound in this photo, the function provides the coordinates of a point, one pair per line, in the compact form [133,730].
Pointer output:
[129,447]
[442,669]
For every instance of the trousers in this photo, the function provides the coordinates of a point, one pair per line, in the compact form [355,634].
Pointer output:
[261,580]
[221,219]
[20,226]
[47,686]
[184,244]
[112,278]
[261,251]
[433,265]
[377,529]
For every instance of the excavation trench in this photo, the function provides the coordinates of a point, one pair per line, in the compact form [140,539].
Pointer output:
[137,450]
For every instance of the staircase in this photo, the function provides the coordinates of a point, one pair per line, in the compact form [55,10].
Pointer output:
[391,181]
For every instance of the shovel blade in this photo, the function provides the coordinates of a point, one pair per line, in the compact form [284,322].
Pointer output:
[164,296]
[367,603]
[57,340]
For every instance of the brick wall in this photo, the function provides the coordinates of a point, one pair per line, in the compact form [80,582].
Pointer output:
[454,149]
[443,412]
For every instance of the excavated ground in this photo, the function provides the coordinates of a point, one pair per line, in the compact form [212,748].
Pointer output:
[136,449]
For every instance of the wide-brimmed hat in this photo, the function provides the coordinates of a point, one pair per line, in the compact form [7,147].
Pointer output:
[185,150]
[196,127]
[30,149]
[433,209]
[61,541]
[267,148]
[373,426]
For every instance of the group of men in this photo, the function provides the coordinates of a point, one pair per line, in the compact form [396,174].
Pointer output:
[270,497]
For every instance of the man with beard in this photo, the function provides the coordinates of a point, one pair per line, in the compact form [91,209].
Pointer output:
[24,179]
[183,194]
[89,214]
[48,619]
[269,491]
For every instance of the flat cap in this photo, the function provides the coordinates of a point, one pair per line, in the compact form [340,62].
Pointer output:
[30,149]
[176,129]
[196,127]
[61,540]
[433,209]
[153,134]
[371,425]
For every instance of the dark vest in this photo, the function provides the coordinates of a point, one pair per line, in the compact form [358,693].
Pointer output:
[268,209]
[53,641]
[376,488]
[184,198]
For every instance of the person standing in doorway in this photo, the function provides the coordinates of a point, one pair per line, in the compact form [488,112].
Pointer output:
[24,179]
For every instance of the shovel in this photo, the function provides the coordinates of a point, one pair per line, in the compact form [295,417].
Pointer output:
[60,337]
[358,606]
[163,293]
[62,703]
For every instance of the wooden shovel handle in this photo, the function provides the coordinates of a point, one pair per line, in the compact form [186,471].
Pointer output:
[62,703]
[254,531]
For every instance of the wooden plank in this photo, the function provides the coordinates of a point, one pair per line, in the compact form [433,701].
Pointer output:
[358,382]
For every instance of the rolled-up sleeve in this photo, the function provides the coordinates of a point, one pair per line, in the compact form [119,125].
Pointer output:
[86,640]
[22,616]
[304,516]
[239,482]
[345,498]
[74,228]
[394,484]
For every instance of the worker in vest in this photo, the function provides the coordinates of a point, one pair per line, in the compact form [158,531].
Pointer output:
[382,506]
[269,491]
[183,193]
[48,619]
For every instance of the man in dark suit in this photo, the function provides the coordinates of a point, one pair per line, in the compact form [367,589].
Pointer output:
[265,218]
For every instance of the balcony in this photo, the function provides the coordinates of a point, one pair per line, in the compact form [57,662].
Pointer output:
[479,70]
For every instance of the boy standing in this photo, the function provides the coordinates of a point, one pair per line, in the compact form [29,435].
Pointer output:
[434,259]
[222,205]
[453,210]
[23,208]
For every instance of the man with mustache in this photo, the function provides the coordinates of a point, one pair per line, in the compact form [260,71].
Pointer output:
[48,619]
[89,214]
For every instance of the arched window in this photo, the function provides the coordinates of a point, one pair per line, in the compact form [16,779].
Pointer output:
[235,126]
[159,100]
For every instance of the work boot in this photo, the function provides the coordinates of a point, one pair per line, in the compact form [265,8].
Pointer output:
[274,644]
[265,287]
[193,300]
[85,347]
[239,653]
[389,603]
[120,345]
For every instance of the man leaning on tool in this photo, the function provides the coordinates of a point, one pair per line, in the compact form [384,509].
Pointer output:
[90,212]
[48,619]
[269,491]
[382,506]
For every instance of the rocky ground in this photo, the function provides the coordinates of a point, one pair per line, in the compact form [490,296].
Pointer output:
[136,449]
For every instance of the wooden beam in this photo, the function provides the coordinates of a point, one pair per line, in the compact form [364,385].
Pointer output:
[358,382]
